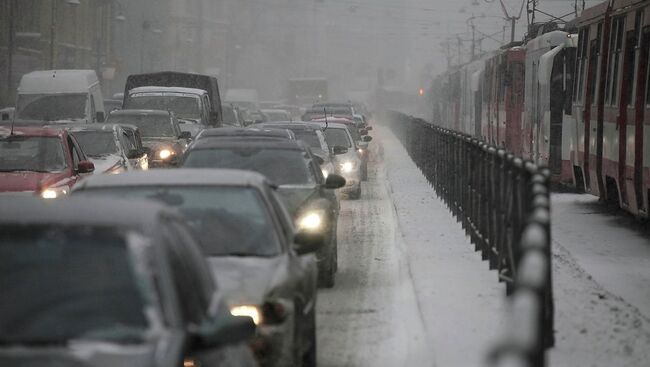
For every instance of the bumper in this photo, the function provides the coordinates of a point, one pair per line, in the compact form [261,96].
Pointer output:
[273,344]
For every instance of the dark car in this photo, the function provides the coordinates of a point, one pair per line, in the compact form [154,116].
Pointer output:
[247,133]
[91,282]
[248,237]
[160,133]
[135,143]
[40,161]
[232,116]
[312,135]
[107,145]
[290,165]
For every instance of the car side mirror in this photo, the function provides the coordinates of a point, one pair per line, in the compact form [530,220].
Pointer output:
[339,150]
[147,151]
[367,139]
[99,116]
[368,128]
[248,122]
[334,181]
[319,160]
[225,330]
[85,167]
[134,153]
[185,135]
[363,132]
[308,242]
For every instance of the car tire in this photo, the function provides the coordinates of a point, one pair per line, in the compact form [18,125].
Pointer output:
[326,278]
[364,172]
[309,358]
[356,194]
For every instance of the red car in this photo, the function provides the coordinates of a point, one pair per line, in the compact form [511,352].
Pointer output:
[41,161]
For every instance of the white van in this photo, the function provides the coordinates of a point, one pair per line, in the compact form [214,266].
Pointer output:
[60,95]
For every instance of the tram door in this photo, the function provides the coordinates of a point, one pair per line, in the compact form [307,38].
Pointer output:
[557,85]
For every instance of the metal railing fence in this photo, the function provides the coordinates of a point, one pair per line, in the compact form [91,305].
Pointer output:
[503,205]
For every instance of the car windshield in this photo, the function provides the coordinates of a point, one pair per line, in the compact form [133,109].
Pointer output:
[32,153]
[51,107]
[150,126]
[96,143]
[183,106]
[309,137]
[281,166]
[227,220]
[65,283]
[229,117]
[337,137]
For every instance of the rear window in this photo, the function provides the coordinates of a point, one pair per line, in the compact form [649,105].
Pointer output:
[62,283]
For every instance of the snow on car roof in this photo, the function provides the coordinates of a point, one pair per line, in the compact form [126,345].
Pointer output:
[83,211]
[181,176]
[156,89]
[57,81]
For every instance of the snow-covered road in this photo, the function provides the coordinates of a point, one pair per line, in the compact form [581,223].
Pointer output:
[602,285]
[410,289]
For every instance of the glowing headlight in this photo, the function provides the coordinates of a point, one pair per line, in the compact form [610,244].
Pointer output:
[347,167]
[325,173]
[360,151]
[311,221]
[54,192]
[251,311]
[165,153]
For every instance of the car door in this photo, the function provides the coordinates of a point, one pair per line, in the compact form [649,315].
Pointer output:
[302,268]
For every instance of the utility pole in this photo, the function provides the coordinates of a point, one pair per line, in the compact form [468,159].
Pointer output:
[52,33]
[10,48]
[459,46]
[512,19]
[473,40]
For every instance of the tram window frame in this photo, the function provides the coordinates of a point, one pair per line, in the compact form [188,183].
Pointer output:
[612,85]
[570,58]
[631,91]
[581,62]
[646,33]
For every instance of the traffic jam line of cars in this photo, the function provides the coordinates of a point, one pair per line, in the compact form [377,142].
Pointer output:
[158,234]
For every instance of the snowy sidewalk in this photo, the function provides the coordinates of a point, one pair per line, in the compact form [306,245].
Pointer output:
[460,300]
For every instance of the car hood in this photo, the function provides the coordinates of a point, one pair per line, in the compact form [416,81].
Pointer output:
[295,196]
[82,354]
[159,143]
[31,181]
[248,280]
[105,163]
[193,127]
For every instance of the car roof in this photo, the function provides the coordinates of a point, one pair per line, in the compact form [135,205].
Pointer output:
[140,112]
[5,131]
[333,125]
[252,143]
[235,132]
[142,215]
[154,89]
[90,127]
[177,177]
[297,125]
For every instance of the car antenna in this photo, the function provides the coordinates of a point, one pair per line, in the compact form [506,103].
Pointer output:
[13,122]
[325,111]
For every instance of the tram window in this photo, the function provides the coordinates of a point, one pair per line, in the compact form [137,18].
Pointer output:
[646,38]
[615,47]
[630,72]
[581,64]
[569,72]
[517,83]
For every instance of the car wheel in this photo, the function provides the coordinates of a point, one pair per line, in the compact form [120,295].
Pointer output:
[364,172]
[356,194]
[326,277]
[309,359]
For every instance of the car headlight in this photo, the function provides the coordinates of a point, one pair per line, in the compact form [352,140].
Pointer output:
[247,310]
[54,192]
[311,221]
[164,153]
[347,167]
